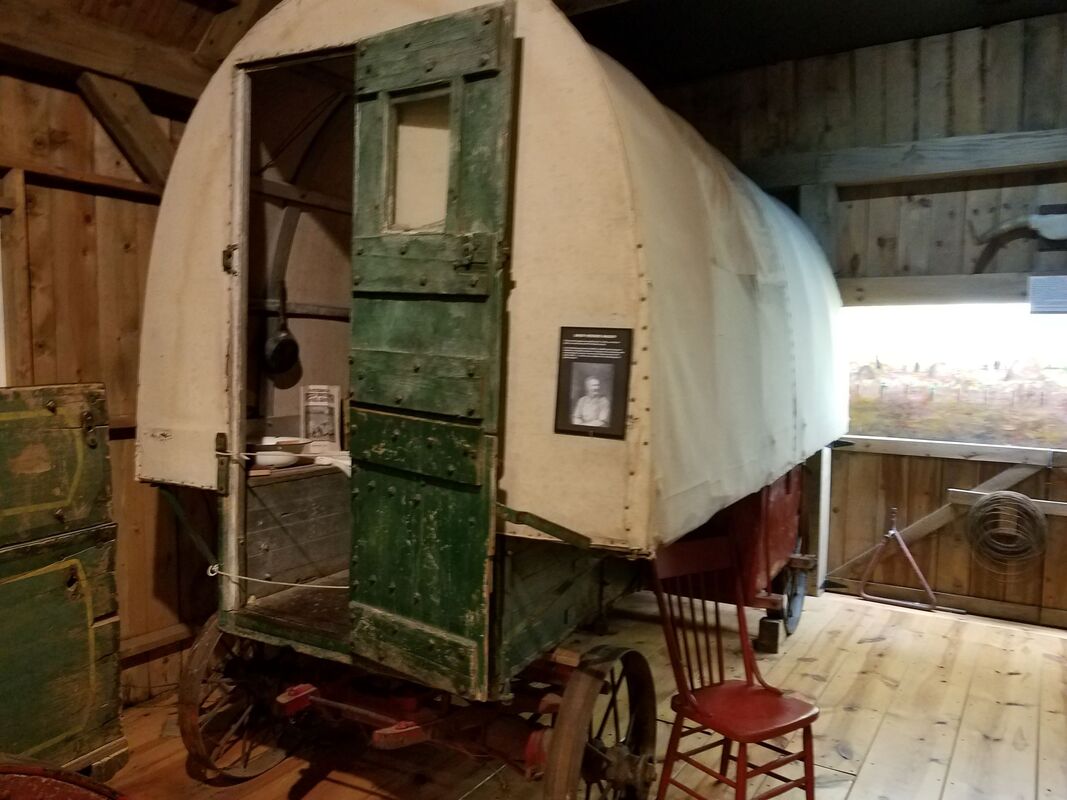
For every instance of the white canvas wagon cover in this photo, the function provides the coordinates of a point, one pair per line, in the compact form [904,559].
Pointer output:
[624,217]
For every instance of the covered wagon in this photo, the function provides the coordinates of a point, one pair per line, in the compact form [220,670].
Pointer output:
[565,331]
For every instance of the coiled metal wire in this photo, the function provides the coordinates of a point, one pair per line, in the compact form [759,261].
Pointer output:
[1006,532]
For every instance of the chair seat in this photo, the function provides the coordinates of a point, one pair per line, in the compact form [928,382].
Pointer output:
[744,713]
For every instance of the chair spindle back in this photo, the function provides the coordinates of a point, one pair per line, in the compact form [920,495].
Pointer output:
[690,576]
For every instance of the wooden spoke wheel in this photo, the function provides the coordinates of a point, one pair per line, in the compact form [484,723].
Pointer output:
[604,739]
[226,705]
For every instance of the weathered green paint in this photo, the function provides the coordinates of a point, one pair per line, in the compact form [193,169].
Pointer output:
[414,263]
[53,461]
[420,381]
[425,446]
[304,638]
[59,662]
[427,325]
[546,590]
[420,573]
[428,52]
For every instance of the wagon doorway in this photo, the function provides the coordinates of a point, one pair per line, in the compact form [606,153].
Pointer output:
[376,203]
[291,521]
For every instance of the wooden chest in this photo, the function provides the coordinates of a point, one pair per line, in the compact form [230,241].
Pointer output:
[59,692]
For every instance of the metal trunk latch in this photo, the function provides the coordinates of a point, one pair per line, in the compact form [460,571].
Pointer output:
[89,429]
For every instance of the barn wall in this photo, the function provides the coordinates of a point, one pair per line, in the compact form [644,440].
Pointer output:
[1007,78]
[74,267]
[1010,77]
[864,486]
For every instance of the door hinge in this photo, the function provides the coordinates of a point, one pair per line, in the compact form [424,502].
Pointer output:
[227,258]
[222,456]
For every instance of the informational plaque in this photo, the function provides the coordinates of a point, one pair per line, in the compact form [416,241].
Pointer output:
[594,376]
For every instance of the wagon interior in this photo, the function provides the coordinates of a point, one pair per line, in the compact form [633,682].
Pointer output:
[298,123]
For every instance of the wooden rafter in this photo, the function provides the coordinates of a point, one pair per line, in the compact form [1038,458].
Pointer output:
[96,184]
[303,197]
[127,119]
[953,156]
[227,28]
[43,34]
[968,497]
[892,290]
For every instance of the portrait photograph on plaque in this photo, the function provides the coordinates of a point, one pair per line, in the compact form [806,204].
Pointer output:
[594,377]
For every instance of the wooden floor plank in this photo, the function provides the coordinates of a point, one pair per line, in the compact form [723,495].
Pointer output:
[996,748]
[919,706]
[1052,760]
[912,748]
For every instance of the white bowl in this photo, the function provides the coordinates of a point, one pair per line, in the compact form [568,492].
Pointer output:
[275,458]
[279,451]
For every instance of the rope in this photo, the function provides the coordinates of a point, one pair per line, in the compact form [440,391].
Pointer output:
[486,780]
[214,570]
[1006,531]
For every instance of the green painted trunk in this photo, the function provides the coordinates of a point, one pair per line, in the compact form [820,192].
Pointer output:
[53,461]
[59,665]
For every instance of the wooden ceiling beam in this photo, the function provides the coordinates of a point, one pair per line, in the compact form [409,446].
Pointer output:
[930,159]
[127,119]
[47,172]
[41,33]
[227,28]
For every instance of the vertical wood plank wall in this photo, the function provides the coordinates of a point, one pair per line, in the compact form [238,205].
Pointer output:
[74,267]
[864,486]
[1010,77]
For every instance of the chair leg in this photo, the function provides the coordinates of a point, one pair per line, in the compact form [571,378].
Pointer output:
[809,765]
[742,772]
[727,746]
[671,756]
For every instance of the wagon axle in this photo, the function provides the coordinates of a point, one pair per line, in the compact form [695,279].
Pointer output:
[509,732]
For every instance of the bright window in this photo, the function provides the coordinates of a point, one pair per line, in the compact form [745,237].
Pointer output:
[985,373]
[421,157]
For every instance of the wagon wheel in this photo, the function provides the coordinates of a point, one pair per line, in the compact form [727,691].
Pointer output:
[793,584]
[225,705]
[604,739]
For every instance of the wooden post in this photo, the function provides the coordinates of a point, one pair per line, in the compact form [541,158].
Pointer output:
[16,336]
[818,208]
[815,516]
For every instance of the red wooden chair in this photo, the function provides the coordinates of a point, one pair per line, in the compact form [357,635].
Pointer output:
[749,711]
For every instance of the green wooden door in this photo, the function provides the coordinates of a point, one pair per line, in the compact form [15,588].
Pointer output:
[433,166]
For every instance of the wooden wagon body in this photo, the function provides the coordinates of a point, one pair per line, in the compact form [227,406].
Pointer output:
[568,332]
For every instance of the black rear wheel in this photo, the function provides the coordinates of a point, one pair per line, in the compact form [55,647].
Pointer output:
[793,585]
[604,738]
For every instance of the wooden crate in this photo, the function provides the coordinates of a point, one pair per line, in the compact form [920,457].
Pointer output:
[53,461]
[59,663]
